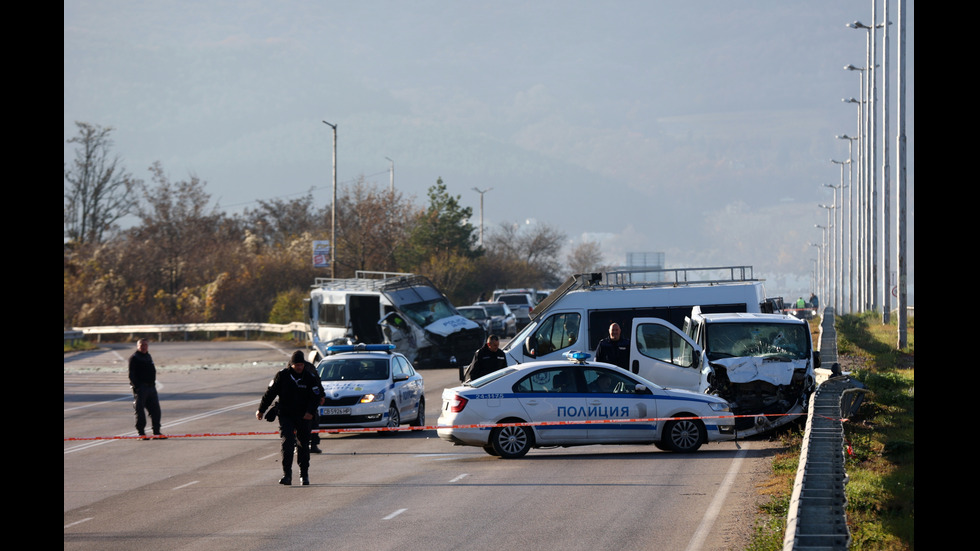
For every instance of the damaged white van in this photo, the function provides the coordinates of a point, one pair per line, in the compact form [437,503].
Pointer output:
[577,315]
[762,364]
[406,310]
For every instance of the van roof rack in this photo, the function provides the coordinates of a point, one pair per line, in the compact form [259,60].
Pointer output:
[639,278]
[363,281]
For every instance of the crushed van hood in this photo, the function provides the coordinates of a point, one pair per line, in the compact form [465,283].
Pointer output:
[451,324]
[771,370]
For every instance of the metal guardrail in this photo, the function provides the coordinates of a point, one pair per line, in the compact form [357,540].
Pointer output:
[299,329]
[817,517]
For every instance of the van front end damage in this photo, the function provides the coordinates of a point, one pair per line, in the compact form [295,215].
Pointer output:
[452,349]
[764,392]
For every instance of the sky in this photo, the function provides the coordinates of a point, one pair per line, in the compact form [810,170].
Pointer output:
[703,130]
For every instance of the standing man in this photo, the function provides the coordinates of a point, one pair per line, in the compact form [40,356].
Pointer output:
[315,422]
[143,380]
[614,349]
[299,394]
[488,358]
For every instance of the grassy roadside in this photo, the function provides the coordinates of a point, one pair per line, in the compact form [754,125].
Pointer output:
[880,459]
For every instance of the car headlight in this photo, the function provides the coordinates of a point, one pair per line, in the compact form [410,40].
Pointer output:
[368,398]
[719,406]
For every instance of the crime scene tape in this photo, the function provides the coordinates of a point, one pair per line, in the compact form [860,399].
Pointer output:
[435,427]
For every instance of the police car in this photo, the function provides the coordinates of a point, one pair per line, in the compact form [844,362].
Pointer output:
[369,386]
[572,391]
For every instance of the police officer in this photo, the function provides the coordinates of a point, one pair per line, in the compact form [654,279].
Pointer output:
[143,379]
[299,394]
[614,349]
[488,358]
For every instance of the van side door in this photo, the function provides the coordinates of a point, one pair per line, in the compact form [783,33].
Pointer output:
[663,354]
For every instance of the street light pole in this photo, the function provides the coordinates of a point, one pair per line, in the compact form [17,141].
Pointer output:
[886,304]
[333,207]
[481,211]
[392,174]
[850,221]
[900,195]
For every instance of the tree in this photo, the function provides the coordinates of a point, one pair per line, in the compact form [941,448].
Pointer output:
[177,244]
[275,222]
[98,190]
[529,255]
[585,258]
[443,229]
[373,224]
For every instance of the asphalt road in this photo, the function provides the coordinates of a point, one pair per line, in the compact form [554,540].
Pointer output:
[212,485]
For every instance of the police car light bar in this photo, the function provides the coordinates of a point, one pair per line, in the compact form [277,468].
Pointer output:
[577,356]
[335,348]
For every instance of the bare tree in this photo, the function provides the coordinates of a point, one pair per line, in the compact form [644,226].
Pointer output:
[277,221]
[373,223]
[530,254]
[585,258]
[98,190]
[178,240]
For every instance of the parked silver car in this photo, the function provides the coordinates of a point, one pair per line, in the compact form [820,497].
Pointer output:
[505,322]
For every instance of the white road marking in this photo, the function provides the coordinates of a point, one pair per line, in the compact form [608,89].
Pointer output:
[395,514]
[186,485]
[79,522]
[460,477]
[711,514]
[99,403]
[93,443]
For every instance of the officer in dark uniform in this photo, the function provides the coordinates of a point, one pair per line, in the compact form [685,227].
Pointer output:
[143,379]
[488,358]
[299,394]
[614,349]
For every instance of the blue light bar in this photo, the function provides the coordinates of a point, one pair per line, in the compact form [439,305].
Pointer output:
[577,356]
[335,348]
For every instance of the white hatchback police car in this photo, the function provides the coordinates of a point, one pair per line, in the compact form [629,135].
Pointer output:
[369,385]
[560,395]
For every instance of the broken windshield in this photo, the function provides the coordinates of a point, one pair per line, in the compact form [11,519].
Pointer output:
[765,340]
[424,313]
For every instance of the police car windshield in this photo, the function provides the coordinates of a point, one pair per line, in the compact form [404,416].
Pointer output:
[353,369]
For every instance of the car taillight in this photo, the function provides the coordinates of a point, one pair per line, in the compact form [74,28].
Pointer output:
[457,404]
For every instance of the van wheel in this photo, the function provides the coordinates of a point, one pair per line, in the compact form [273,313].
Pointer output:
[684,435]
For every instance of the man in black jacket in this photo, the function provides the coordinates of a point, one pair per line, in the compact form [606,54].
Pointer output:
[299,394]
[143,379]
[614,349]
[488,358]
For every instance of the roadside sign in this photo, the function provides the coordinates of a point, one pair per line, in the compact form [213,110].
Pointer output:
[321,254]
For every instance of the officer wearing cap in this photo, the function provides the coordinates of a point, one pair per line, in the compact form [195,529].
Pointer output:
[299,393]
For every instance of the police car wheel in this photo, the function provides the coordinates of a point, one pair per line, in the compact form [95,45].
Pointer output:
[420,420]
[511,442]
[394,420]
[490,450]
[684,435]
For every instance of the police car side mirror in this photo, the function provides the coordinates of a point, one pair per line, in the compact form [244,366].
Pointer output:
[400,377]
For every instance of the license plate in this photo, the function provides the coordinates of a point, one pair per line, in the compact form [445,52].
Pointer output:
[334,411]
